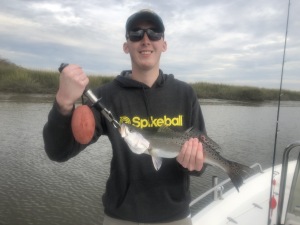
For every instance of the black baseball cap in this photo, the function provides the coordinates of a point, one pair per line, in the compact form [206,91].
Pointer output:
[145,15]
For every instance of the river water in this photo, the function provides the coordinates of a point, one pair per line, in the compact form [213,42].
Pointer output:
[35,190]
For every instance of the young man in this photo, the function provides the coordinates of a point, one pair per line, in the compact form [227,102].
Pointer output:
[135,191]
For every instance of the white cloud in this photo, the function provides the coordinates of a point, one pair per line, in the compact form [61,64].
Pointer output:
[219,41]
[58,10]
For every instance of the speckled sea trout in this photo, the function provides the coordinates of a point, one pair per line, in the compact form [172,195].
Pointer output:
[166,143]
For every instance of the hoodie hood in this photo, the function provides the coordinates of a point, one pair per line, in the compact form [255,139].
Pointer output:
[124,80]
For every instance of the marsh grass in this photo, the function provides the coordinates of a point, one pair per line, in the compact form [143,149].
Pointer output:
[242,93]
[21,80]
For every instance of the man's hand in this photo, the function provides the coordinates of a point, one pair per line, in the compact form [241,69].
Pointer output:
[191,155]
[72,83]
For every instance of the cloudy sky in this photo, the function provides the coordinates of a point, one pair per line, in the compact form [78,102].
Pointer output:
[219,41]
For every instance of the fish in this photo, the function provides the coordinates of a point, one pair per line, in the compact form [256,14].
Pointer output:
[167,143]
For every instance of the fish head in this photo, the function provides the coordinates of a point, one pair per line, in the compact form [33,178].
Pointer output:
[135,140]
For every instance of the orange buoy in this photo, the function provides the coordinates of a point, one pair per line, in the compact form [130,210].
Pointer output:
[83,124]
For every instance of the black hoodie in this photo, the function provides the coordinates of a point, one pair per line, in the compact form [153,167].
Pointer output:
[135,191]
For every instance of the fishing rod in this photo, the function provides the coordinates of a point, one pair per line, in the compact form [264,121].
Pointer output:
[278,108]
[96,102]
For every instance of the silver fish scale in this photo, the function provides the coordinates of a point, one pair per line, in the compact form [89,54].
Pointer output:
[181,138]
[207,142]
[211,148]
[166,135]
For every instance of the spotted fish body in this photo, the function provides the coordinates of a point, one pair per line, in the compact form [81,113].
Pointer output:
[166,143]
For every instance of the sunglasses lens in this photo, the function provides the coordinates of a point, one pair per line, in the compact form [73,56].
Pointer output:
[138,35]
[154,36]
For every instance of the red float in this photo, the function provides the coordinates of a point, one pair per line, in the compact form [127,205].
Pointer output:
[273,203]
[83,124]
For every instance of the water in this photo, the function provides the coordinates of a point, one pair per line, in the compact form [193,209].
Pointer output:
[35,190]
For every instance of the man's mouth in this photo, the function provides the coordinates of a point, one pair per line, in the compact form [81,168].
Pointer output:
[146,52]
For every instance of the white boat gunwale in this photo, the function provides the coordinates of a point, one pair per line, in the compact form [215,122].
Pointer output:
[278,216]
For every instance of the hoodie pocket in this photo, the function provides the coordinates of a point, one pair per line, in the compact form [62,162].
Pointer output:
[161,200]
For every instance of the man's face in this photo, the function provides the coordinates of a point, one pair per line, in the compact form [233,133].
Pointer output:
[145,54]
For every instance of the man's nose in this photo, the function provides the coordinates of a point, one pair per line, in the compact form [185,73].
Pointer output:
[145,38]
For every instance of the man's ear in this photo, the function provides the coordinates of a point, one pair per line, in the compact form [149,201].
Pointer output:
[125,47]
[165,46]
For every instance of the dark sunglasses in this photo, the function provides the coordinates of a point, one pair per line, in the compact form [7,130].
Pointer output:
[137,35]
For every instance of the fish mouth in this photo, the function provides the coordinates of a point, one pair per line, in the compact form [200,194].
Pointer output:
[123,130]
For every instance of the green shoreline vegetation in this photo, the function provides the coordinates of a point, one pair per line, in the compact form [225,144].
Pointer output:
[16,79]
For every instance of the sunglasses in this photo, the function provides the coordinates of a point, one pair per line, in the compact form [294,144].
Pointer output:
[137,35]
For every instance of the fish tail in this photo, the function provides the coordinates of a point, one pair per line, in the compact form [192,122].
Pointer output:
[238,173]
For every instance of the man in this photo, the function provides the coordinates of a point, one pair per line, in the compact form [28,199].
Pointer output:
[135,191]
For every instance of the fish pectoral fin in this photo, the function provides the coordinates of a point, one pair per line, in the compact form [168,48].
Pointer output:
[157,162]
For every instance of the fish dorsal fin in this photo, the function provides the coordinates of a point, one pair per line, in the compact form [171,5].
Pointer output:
[189,130]
[164,129]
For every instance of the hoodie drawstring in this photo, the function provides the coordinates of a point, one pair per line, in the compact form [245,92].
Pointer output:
[145,98]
